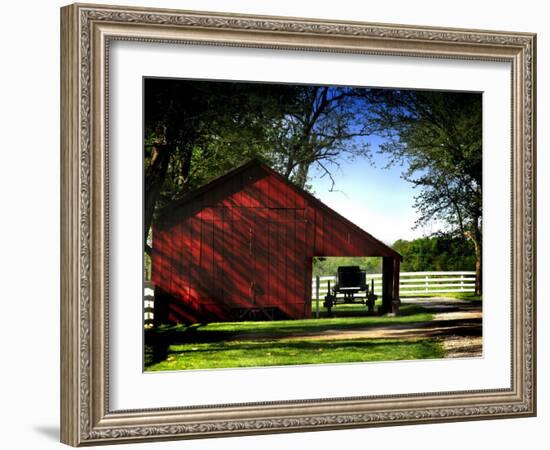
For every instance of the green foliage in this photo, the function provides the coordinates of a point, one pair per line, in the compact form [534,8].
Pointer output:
[436,254]
[209,127]
[327,266]
[438,135]
[197,130]
[320,127]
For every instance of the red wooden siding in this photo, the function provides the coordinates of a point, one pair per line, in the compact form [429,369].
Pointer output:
[246,241]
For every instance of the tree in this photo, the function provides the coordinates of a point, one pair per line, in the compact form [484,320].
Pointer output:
[328,266]
[197,130]
[320,127]
[437,253]
[438,135]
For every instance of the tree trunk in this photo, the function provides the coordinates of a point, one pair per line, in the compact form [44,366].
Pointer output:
[289,166]
[478,285]
[186,167]
[478,275]
[476,238]
[154,179]
[301,174]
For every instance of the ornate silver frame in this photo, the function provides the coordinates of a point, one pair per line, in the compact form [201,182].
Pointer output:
[86,31]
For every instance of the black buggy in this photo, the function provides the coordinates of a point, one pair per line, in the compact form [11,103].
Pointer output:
[350,281]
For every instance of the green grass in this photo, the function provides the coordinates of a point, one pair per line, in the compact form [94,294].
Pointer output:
[347,319]
[468,296]
[246,344]
[276,353]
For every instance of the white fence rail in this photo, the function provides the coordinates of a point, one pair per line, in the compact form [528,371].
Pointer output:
[411,283]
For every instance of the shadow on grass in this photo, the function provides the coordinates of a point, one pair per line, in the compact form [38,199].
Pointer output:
[158,340]
[157,349]
[296,345]
[345,310]
[269,353]
[226,330]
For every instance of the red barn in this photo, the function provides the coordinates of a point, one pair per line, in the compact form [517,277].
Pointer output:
[244,243]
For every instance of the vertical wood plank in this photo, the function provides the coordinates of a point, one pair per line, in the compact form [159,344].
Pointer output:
[185,258]
[217,248]
[303,280]
[195,263]
[207,261]
[290,256]
[262,187]
[260,254]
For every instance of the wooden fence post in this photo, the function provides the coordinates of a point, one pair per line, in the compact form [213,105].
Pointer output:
[317,282]
[387,283]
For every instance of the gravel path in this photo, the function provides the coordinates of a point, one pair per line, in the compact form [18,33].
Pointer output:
[465,346]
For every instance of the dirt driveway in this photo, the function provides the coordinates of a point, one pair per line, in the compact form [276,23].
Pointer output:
[457,324]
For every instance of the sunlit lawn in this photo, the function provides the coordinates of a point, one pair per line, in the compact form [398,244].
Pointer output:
[468,296]
[279,353]
[247,344]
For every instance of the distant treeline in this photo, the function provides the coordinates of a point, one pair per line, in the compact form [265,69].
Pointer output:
[328,266]
[423,254]
[436,253]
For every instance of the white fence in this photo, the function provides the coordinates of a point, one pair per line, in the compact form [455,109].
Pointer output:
[411,283]
[148,303]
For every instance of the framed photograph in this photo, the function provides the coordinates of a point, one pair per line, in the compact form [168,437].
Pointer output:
[275,224]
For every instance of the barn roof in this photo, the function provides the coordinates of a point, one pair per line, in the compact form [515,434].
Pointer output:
[255,162]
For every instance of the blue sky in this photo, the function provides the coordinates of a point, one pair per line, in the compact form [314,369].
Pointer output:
[376,199]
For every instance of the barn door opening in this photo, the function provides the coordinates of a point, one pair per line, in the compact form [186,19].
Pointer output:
[346,286]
